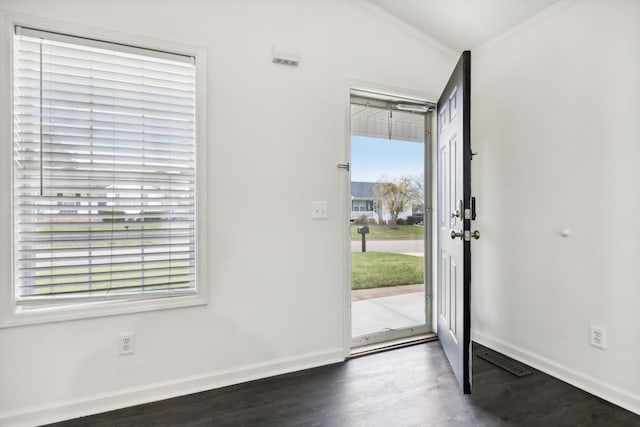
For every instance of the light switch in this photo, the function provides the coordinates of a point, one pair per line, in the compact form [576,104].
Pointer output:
[319,210]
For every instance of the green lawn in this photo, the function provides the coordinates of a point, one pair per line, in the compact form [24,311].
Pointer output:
[378,269]
[381,232]
[73,279]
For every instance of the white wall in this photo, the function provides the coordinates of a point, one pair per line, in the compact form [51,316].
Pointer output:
[276,134]
[556,108]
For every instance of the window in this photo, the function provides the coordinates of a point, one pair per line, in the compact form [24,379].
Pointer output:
[362,205]
[104,172]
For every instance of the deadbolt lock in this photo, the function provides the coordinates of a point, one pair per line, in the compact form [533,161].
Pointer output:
[458,212]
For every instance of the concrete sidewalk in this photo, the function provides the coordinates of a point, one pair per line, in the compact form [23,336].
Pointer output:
[379,309]
[397,246]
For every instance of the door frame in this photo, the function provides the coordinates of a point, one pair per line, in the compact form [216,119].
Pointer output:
[430,200]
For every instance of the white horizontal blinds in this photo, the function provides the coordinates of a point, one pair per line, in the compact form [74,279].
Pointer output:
[385,123]
[104,171]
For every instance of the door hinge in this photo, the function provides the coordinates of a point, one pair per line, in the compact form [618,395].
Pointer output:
[344,166]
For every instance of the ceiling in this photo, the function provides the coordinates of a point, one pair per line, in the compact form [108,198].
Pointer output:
[463,24]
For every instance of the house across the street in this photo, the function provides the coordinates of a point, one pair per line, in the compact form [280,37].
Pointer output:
[364,203]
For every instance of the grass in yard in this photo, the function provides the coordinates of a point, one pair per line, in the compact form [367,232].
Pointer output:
[381,232]
[378,269]
[99,277]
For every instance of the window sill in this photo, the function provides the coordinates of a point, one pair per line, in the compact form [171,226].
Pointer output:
[87,310]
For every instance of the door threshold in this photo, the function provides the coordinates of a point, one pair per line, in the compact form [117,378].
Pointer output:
[391,345]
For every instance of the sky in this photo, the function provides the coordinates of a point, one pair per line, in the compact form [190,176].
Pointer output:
[373,159]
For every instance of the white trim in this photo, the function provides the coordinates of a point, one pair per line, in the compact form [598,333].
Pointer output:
[6,167]
[367,86]
[345,208]
[101,44]
[433,217]
[9,316]
[57,26]
[89,310]
[98,403]
[623,398]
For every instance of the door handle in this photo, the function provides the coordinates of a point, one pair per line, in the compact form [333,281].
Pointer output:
[475,234]
[455,234]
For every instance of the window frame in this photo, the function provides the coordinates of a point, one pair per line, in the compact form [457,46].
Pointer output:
[11,314]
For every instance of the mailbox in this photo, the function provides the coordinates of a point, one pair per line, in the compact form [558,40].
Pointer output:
[363,230]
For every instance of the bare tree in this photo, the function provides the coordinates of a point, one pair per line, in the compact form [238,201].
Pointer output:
[396,196]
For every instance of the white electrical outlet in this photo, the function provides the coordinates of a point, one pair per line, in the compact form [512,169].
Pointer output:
[598,337]
[126,343]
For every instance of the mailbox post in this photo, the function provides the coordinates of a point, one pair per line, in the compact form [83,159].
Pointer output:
[363,231]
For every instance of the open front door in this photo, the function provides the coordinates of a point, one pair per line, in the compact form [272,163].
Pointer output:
[454,221]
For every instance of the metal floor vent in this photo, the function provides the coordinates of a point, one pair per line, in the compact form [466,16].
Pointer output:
[504,362]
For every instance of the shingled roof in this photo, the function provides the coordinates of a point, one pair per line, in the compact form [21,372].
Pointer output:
[362,190]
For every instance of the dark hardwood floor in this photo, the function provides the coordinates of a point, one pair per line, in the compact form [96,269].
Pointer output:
[411,386]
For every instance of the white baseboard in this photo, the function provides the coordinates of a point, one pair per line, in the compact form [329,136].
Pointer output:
[611,393]
[65,410]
